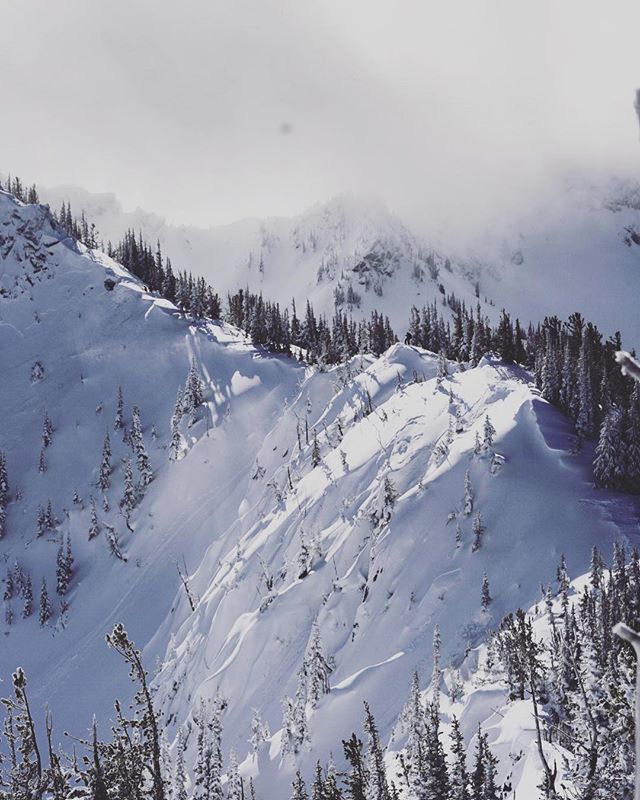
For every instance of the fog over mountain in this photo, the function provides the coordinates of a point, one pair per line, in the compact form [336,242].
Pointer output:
[453,114]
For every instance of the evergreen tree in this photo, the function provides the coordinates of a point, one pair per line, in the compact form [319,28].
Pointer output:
[609,464]
[632,443]
[119,420]
[357,778]
[49,519]
[390,493]
[137,442]
[94,525]
[129,497]
[180,771]
[458,775]
[105,465]
[585,422]
[235,789]
[377,787]
[259,731]
[467,502]
[4,493]
[64,566]
[27,596]
[436,777]
[193,395]
[41,521]
[486,595]
[42,463]
[47,431]
[489,433]
[478,531]
[45,606]
[316,668]
[299,788]
[315,453]
[175,446]
[147,728]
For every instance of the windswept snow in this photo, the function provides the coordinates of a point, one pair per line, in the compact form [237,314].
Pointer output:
[301,496]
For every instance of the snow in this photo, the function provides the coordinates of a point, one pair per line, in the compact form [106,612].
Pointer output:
[573,249]
[379,577]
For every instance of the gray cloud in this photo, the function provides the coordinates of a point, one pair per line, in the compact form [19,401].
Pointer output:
[210,110]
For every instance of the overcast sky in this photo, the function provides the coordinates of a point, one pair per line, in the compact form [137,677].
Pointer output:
[210,110]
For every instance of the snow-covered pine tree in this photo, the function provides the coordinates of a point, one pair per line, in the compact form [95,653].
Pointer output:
[485,597]
[7,596]
[632,442]
[551,368]
[477,445]
[436,775]
[315,453]
[478,531]
[175,446]
[208,768]
[585,422]
[299,789]
[193,390]
[49,518]
[180,771]
[443,367]
[94,525]
[259,731]
[42,463]
[318,789]
[44,614]
[489,432]
[4,493]
[289,742]
[105,464]
[137,443]
[390,493]
[467,501]
[41,521]
[27,595]
[378,788]
[609,462]
[47,431]
[458,535]
[413,724]
[119,420]
[235,789]
[129,497]
[436,677]
[458,774]
[316,668]
[64,566]
[562,575]
[114,543]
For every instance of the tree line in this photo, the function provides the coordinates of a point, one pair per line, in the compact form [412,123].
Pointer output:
[573,365]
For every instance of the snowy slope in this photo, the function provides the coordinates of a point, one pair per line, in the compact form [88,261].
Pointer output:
[89,341]
[377,590]
[575,248]
[246,507]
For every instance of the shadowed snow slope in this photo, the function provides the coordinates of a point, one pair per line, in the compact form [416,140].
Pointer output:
[300,496]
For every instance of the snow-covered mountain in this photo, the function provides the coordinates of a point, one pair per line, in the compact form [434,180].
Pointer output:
[581,239]
[353,510]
